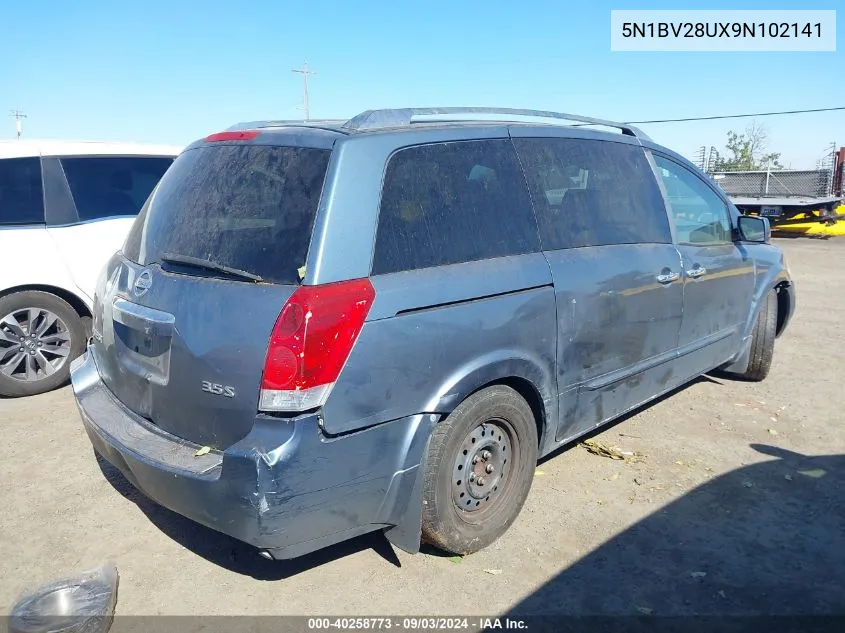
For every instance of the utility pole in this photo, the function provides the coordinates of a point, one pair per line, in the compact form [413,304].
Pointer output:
[827,157]
[712,160]
[701,158]
[304,72]
[19,117]
[830,165]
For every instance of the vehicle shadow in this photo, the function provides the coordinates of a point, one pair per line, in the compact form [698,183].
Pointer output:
[230,553]
[767,539]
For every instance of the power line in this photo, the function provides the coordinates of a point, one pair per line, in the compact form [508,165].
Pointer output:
[735,116]
[304,72]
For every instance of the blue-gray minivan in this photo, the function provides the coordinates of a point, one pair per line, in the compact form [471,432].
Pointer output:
[320,329]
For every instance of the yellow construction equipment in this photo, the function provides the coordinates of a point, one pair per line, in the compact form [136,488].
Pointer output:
[813,227]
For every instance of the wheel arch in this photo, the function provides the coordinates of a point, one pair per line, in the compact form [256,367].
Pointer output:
[525,375]
[79,304]
[772,278]
[530,394]
[786,305]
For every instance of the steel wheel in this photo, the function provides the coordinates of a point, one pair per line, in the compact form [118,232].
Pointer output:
[478,470]
[34,343]
[481,467]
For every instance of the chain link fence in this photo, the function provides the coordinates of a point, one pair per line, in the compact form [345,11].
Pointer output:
[753,184]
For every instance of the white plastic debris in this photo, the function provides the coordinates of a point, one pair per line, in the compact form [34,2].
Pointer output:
[81,603]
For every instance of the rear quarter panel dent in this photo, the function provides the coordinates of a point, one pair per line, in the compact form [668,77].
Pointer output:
[429,361]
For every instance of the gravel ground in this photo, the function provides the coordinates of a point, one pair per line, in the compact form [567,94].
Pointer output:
[735,509]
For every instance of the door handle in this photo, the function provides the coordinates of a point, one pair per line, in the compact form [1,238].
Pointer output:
[698,271]
[667,278]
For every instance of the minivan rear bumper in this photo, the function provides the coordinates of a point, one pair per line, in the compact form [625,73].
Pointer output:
[286,487]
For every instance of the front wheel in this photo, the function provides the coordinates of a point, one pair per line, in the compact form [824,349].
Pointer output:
[763,340]
[40,334]
[479,470]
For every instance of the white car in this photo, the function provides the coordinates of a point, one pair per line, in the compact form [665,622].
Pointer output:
[65,208]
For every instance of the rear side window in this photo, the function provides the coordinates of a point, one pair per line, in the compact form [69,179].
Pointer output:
[248,207]
[448,203]
[108,186]
[593,193]
[21,199]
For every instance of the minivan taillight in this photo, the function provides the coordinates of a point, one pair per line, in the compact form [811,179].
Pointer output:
[309,345]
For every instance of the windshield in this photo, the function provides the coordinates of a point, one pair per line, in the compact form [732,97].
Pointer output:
[245,207]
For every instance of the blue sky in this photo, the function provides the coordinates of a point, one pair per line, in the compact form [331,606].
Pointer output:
[174,70]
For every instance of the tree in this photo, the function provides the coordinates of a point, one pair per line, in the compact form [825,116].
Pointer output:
[747,151]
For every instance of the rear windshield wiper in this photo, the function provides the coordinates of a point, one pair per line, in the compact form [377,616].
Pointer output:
[196,262]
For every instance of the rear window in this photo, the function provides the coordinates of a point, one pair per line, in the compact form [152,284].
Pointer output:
[21,200]
[109,186]
[449,203]
[248,207]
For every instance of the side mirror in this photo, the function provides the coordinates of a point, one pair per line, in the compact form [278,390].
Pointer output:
[754,229]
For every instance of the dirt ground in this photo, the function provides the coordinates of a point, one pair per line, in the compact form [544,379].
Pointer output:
[736,509]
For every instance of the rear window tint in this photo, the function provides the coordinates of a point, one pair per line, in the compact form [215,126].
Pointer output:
[448,203]
[108,186]
[593,193]
[249,207]
[21,199]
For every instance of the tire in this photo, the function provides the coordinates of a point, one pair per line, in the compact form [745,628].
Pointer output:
[461,516]
[763,340]
[55,347]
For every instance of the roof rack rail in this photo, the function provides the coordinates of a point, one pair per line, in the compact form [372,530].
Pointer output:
[402,117]
[251,125]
